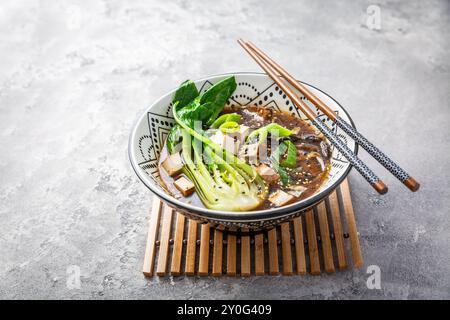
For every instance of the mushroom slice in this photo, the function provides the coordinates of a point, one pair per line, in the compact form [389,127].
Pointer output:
[296,191]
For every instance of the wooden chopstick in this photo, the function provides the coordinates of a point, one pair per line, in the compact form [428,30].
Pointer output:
[359,165]
[382,158]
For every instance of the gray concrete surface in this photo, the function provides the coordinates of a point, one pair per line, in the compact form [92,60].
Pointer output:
[74,75]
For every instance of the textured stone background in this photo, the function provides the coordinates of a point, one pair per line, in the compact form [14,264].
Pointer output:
[74,76]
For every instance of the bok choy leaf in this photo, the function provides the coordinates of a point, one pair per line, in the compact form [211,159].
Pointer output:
[222,181]
[186,93]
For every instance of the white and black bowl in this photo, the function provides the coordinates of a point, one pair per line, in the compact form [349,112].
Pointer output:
[150,131]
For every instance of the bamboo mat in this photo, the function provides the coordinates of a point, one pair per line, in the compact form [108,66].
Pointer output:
[317,242]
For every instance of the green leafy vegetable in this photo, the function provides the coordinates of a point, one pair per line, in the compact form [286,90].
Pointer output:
[194,114]
[274,158]
[218,96]
[174,138]
[220,184]
[184,95]
[222,181]
[291,155]
[205,108]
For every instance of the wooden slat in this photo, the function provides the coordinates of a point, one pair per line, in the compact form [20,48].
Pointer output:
[259,254]
[286,253]
[177,250]
[351,223]
[161,268]
[189,268]
[217,253]
[273,252]
[231,255]
[203,265]
[337,230]
[300,258]
[312,243]
[245,255]
[150,249]
[325,237]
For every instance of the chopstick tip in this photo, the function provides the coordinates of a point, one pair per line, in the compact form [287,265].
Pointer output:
[412,184]
[380,187]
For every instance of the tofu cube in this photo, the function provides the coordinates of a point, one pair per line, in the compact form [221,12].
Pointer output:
[173,164]
[185,186]
[249,152]
[244,131]
[268,174]
[226,142]
[242,134]
[281,198]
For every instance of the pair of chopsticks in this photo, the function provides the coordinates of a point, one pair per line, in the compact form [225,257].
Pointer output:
[273,69]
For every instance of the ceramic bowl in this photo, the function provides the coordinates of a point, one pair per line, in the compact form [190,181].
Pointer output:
[150,131]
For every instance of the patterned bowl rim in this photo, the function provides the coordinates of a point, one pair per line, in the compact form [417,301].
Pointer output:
[243,216]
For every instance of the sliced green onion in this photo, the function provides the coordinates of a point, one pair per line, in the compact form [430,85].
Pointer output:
[229,127]
[224,118]
[276,155]
[291,155]
[273,128]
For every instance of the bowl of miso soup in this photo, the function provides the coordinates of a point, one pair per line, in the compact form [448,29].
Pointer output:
[233,150]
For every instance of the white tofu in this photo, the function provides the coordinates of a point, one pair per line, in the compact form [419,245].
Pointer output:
[185,186]
[268,174]
[242,134]
[249,152]
[281,198]
[244,131]
[226,142]
[173,164]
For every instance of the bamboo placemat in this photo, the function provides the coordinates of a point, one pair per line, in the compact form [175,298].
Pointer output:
[316,242]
